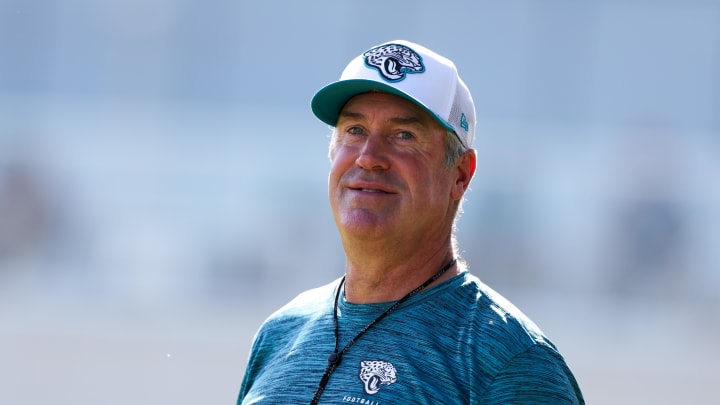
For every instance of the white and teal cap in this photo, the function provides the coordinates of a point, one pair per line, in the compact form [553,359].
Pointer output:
[407,70]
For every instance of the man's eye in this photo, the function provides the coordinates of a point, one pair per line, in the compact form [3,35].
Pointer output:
[405,135]
[355,131]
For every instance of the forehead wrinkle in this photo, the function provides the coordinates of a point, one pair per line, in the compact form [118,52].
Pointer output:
[350,115]
[410,119]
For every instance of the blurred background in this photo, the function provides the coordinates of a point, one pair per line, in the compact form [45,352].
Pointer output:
[163,184]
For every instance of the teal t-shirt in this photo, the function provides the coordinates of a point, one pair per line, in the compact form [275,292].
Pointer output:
[456,343]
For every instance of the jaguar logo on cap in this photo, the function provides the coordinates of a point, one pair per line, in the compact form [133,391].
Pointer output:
[394,61]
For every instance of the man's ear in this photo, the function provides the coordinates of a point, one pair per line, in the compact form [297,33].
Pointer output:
[464,170]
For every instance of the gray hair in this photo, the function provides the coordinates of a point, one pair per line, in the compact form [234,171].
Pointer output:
[454,148]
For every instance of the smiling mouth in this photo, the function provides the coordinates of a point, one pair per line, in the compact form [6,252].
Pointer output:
[370,190]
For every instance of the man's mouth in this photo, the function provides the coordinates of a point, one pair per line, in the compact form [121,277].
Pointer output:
[370,190]
[372,187]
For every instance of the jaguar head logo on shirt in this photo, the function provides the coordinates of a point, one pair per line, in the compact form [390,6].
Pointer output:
[375,374]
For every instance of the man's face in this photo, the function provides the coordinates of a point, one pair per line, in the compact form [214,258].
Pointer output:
[388,176]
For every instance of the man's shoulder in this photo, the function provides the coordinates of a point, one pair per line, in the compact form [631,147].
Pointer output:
[497,315]
[307,304]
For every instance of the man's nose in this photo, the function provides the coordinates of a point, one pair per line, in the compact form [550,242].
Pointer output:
[374,154]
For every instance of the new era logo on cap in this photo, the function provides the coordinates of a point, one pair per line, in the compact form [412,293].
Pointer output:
[407,70]
[463,122]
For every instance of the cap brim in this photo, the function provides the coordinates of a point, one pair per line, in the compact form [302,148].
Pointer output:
[329,101]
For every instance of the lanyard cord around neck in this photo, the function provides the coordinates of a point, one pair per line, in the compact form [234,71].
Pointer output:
[336,356]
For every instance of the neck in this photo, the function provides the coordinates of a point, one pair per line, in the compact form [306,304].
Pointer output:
[378,281]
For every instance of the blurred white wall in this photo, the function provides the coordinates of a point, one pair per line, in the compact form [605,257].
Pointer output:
[163,184]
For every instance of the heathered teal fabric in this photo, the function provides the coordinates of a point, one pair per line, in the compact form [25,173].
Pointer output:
[456,343]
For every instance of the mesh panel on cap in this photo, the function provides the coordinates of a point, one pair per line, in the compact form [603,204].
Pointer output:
[462,104]
[454,118]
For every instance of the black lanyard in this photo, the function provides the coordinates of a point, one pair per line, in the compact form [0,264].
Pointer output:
[336,356]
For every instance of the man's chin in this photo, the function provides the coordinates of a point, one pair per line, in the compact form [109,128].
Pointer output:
[361,223]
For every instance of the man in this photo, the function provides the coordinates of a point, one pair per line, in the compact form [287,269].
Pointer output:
[407,324]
